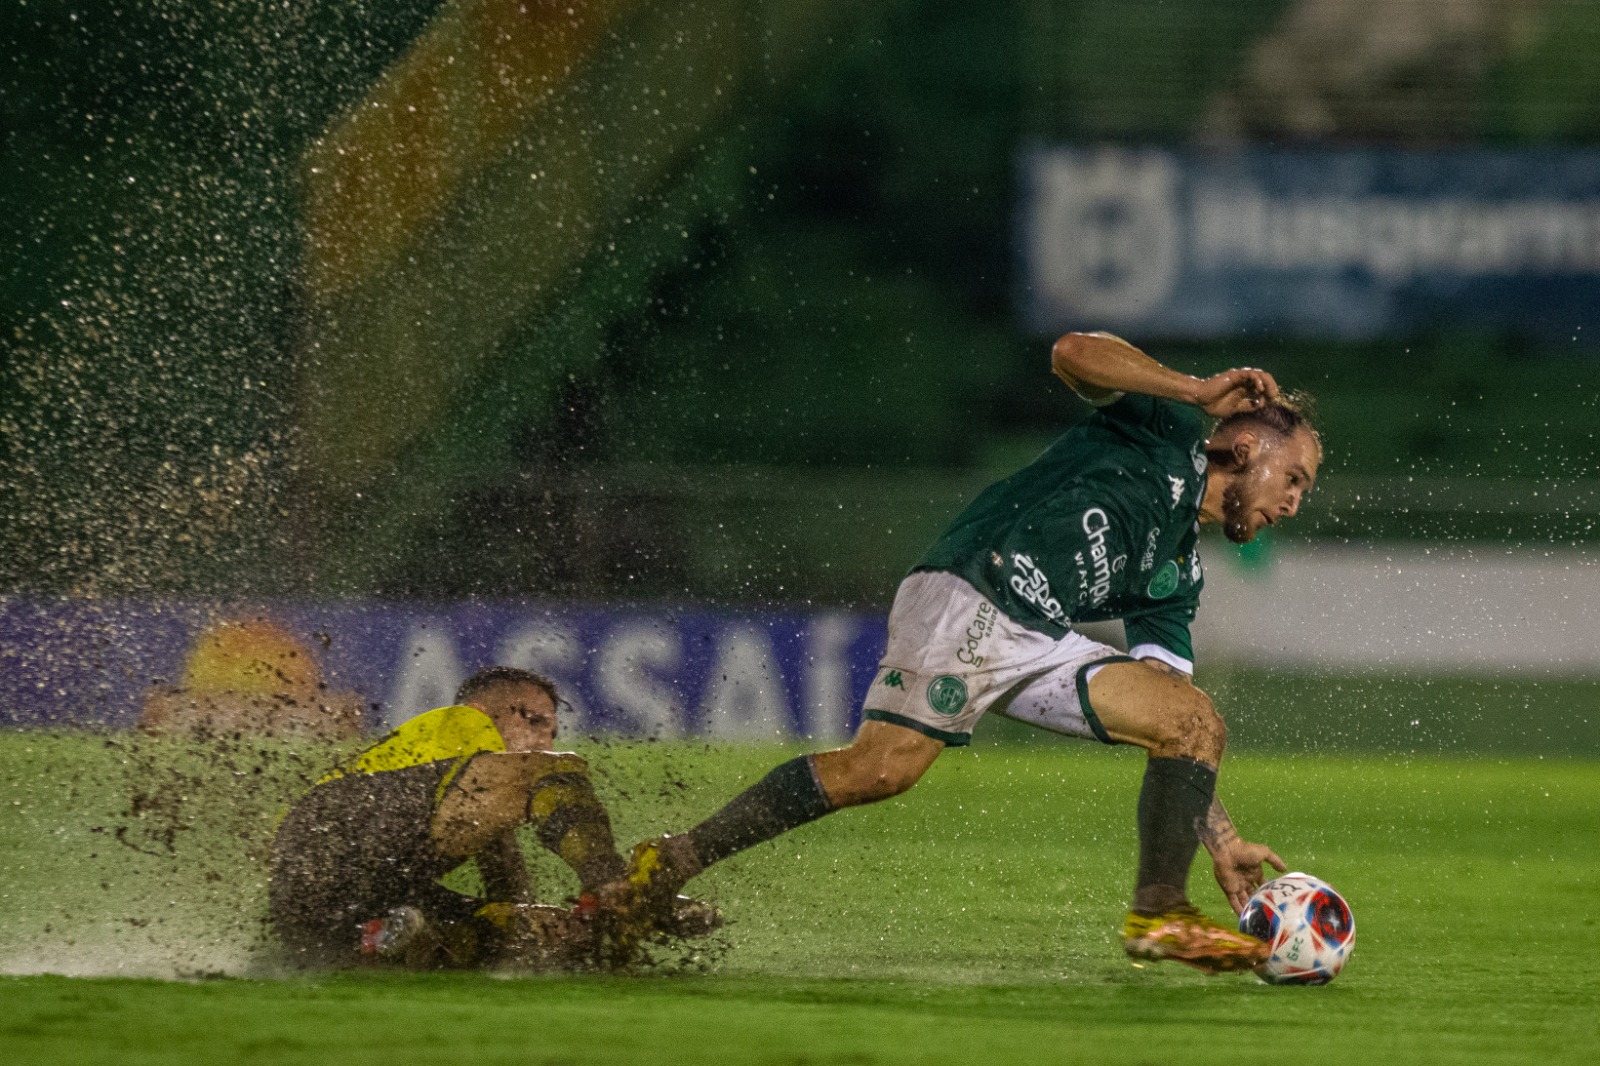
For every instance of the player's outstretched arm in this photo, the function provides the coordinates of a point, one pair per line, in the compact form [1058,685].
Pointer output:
[1237,862]
[503,871]
[1097,366]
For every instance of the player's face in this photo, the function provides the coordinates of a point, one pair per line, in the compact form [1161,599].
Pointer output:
[1271,486]
[525,716]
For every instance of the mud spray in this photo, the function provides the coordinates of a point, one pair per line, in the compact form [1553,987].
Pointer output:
[147,855]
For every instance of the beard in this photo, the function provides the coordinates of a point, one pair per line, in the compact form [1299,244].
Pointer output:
[1235,516]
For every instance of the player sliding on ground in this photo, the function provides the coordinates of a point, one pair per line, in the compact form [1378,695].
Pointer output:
[356,863]
[1102,526]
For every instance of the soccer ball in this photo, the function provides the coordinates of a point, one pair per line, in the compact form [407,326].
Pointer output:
[1308,925]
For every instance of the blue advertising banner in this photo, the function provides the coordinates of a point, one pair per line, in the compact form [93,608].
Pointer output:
[658,672]
[1343,243]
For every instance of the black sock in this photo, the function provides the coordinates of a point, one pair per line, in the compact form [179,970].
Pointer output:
[787,797]
[1176,795]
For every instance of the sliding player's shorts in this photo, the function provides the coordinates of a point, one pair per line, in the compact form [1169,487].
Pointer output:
[351,850]
[953,656]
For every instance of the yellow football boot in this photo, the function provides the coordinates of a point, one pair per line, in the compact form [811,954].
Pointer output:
[1185,935]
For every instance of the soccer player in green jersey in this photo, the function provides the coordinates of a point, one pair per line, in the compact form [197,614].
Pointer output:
[1103,525]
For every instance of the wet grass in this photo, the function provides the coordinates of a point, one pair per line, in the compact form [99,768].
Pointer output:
[972,920]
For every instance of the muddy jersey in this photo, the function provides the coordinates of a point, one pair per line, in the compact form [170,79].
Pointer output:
[1101,526]
[445,734]
[361,842]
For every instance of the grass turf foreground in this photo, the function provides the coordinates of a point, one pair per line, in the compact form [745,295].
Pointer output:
[972,920]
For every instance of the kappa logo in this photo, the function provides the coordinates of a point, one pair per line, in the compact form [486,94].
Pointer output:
[1197,457]
[894,680]
[1178,485]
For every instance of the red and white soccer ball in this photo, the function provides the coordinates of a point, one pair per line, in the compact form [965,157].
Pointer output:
[1308,925]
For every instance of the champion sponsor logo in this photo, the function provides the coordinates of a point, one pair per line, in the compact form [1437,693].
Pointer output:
[1177,484]
[978,630]
[1097,524]
[1029,583]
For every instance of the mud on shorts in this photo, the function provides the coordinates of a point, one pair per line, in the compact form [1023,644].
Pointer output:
[953,656]
[351,850]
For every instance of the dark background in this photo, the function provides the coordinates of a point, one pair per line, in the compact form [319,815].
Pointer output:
[782,403]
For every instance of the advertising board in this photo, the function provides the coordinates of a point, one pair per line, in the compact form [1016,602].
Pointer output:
[1341,243]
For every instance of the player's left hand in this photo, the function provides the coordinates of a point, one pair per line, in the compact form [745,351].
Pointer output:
[1238,868]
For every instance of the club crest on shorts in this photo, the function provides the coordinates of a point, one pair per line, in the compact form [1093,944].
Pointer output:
[1163,582]
[947,695]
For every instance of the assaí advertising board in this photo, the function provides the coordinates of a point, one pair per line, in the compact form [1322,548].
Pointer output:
[643,671]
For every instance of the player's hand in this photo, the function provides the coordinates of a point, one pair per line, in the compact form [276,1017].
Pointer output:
[1234,391]
[1238,868]
[613,897]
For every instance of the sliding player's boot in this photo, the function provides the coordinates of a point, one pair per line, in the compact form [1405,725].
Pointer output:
[1185,935]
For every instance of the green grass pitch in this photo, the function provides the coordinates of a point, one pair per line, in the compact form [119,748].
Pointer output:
[973,920]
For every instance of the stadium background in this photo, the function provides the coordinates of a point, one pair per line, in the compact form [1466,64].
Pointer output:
[722,304]
[358,344]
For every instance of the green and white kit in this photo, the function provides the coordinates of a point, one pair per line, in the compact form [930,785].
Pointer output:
[1102,526]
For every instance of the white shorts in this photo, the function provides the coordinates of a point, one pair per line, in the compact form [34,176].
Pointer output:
[953,656]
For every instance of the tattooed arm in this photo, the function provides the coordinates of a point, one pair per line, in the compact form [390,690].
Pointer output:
[1216,828]
[1237,862]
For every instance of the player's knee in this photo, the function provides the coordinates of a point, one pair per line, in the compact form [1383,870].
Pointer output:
[1192,728]
[1206,732]
[878,775]
[893,779]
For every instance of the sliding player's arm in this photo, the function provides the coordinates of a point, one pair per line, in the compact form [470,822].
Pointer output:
[1099,367]
[1235,861]
[503,871]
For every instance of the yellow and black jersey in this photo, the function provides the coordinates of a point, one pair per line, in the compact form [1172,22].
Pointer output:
[446,734]
[360,842]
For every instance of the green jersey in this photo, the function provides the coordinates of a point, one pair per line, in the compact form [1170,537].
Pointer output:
[1103,525]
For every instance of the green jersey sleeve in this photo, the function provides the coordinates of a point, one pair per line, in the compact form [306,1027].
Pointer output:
[1164,634]
[1155,419]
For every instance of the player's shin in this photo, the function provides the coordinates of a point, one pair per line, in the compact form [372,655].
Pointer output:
[569,820]
[787,798]
[1175,797]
